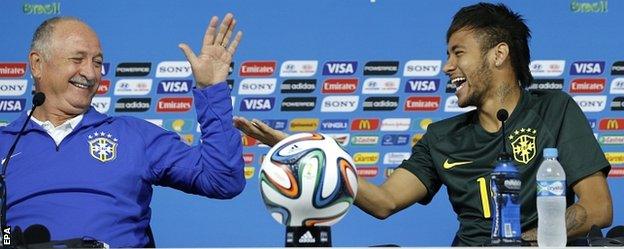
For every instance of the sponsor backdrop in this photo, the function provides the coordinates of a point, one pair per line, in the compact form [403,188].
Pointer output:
[366,72]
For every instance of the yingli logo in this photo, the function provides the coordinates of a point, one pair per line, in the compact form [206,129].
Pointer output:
[587,85]
[340,85]
[12,70]
[430,103]
[257,68]
[365,124]
[174,104]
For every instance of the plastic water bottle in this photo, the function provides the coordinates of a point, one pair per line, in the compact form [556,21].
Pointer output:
[505,184]
[551,201]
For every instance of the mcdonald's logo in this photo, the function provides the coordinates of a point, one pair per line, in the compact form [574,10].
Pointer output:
[365,124]
[611,124]
[249,141]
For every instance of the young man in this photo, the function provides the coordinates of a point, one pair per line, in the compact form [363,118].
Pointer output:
[488,59]
[81,173]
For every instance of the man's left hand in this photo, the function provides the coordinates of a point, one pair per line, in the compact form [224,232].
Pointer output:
[212,64]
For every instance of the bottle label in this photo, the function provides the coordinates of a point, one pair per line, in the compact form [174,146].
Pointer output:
[551,188]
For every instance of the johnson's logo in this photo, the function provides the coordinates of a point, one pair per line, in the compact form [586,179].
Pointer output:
[367,171]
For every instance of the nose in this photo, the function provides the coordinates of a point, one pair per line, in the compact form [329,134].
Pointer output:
[90,70]
[449,66]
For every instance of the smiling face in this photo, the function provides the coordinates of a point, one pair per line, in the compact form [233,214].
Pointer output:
[69,71]
[468,68]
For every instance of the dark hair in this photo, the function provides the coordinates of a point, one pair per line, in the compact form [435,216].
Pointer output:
[496,23]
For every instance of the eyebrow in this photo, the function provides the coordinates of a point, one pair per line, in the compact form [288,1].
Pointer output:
[82,53]
[456,47]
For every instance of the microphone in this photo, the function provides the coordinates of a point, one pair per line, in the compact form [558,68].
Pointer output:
[36,234]
[502,116]
[38,100]
[616,232]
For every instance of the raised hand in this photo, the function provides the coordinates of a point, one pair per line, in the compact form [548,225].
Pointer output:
[259,130]
[213,62]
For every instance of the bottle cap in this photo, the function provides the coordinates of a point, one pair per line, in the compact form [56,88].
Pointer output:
[551,152]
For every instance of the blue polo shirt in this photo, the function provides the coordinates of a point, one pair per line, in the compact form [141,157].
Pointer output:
[98,181]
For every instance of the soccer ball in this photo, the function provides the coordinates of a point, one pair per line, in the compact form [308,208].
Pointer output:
[308,179]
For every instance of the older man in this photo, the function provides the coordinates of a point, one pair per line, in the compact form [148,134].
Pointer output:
[82,173]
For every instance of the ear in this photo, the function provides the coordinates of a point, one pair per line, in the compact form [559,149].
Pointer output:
[500,54]
[35,60]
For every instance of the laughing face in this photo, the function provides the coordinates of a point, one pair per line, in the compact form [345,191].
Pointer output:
[468,68]
[70,72]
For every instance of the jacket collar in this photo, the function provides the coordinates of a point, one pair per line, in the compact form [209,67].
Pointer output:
[91,117]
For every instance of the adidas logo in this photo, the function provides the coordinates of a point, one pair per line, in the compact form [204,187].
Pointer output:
[307,238]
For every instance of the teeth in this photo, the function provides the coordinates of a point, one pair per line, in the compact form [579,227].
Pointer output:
[457,80]
[81,85]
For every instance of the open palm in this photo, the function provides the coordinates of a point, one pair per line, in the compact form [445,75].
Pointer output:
[213,62]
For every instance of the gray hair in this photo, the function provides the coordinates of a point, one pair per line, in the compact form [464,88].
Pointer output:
[41,37]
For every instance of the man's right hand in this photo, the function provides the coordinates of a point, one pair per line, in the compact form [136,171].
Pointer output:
[259,130]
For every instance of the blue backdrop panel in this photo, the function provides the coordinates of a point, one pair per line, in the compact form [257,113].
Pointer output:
[577,34]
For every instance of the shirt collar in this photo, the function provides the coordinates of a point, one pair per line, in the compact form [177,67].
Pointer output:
[91,117]
[67,125]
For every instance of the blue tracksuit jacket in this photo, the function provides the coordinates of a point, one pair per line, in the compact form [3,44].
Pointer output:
[98,181]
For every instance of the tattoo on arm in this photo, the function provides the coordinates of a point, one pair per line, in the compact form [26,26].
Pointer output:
[576,216]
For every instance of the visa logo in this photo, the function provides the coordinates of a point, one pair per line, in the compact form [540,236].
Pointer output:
[12,105]
[339,68]
[422,85]
[174,86]
[334,124]
[257,104]
[587,68]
